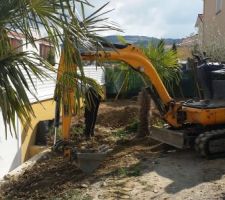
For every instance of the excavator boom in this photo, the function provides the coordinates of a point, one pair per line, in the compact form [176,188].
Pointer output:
[134,57]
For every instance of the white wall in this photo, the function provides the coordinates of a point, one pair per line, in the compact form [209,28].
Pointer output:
[10,152]
[96,73]
[44,88]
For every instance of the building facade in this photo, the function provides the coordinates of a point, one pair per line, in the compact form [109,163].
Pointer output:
[211,28]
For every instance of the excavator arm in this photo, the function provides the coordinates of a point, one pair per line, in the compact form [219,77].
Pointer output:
[135,58]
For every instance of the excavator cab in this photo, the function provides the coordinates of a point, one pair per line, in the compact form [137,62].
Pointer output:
[210,140]
[206,75]
[208,84]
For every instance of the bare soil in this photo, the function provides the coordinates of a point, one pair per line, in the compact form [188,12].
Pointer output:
[135,169]
[117,114]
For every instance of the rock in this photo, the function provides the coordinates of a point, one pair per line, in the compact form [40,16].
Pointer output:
[84,185]
[45,157]
[125,197]
[6,177]
[112,190]
[155,162]
[127,189]
[171,151]
[155,191]
[104,184]
[57,174]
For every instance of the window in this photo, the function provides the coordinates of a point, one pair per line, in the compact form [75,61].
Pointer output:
[47,52]
[16,44]
[219,6]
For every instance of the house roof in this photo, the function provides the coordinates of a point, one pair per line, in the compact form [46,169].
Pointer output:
[188,41]
[199,19]
[18,35]
[15,34]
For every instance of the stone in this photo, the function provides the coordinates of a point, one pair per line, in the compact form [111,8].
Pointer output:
[84,185]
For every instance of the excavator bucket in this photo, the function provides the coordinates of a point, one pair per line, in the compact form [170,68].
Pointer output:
[89,160]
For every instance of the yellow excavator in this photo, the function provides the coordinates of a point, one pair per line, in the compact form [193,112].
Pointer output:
[199,124]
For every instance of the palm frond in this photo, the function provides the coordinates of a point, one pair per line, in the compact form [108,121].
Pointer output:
[55,21]
[16,70]
[165,62]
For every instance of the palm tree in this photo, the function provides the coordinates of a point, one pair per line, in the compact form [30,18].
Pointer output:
[165,62]
[54,20]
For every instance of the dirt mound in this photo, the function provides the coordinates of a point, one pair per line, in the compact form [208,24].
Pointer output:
[135,169]
[117,115]
[46,178]
[55,177]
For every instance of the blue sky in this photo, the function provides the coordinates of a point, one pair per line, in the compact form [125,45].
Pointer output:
[158,18]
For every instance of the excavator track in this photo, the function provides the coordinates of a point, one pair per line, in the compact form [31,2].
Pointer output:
[211,144]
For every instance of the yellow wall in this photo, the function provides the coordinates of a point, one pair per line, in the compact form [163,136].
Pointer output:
[43,111]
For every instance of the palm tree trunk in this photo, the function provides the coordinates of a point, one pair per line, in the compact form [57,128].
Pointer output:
[144,102]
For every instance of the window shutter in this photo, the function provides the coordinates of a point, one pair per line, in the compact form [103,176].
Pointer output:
[16,44]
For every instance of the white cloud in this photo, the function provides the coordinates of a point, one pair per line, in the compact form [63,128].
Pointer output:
[159,18]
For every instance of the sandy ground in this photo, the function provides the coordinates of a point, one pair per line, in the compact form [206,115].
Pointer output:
[174,175]
[136,169]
